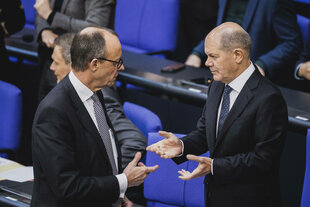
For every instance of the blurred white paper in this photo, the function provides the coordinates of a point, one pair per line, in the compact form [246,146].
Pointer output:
[11,170]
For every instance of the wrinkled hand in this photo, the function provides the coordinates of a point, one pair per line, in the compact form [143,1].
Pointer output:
[304,70]
[261,70]
[203,168]
[136,174]
[193,60]
[48,37]
[43,8]
[126,203]
[167,148]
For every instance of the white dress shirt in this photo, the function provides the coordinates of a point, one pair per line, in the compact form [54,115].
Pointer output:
[85,95]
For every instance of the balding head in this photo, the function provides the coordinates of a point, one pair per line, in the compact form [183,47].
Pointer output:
[90,43]
[231,36]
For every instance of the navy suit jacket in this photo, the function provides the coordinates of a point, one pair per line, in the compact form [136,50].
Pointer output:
[71,165]
[247,150]
[305,57]
[276,38]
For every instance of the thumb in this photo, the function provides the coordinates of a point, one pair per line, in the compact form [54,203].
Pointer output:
[194,158]
[164,134]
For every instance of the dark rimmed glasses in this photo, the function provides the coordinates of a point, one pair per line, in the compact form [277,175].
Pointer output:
[118,63]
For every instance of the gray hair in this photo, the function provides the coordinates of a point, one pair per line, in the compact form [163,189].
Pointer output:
[234,39]
[85,47]
[64,41]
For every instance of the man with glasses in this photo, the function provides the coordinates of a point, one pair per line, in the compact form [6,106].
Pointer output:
[76,153]
[130,138]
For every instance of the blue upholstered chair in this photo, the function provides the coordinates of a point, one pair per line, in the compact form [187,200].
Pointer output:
[142,118]
[304,24]
[163,188]
[30,13]
[305,199]
[10,118]
[147,26]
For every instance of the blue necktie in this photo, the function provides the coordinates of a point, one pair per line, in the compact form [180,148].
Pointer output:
[104,130]
[224,108]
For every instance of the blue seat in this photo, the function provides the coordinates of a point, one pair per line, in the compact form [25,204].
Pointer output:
[142,118]
[304,24]
[147,26]
[163,188]
[10,119]
[305,199]
[30,13]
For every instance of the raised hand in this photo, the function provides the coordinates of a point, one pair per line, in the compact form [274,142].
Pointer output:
[167,148]
[203,168]
[136,174]
[43,8]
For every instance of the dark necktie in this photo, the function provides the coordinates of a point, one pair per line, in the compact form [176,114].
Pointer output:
[224,108]
[104,130]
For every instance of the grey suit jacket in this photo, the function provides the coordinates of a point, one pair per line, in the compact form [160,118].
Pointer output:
[78,14]
[130,138]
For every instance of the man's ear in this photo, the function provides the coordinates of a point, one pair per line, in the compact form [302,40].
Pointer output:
[94,64]
[238,55]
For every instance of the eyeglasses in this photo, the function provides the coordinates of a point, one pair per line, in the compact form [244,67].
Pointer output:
[118,63]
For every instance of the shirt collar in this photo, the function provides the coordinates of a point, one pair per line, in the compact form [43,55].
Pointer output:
[83,91]
[238,83]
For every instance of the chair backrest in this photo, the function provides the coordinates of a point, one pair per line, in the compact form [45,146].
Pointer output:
[147,26]
[305,199]
[163,188]
[304,24]
[142,118]
[30,12]
[10,116]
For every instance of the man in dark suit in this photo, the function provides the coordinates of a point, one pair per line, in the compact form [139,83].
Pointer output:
[76,155]
[274,32]
[243,125]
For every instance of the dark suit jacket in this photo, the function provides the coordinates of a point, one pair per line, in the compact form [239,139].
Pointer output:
[71,166]
[129,136]
[247,151]
[275,35]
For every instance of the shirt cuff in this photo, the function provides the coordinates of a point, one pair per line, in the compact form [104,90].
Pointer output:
[123,184]
[296,72]
[212,166]
[182,148]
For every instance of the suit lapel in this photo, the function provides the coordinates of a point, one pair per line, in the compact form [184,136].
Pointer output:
[222,8]
[84,117]
[249,14]
[213,103]
[240,104]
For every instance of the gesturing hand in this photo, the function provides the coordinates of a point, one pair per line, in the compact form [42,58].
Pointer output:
[167,148]
[136,174]
[43,8]
[203,168]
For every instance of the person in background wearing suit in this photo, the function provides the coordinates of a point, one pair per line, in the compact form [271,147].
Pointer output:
[56,17]
[76,153]
[274,32]
[131,139]
[12,20]
[243,125]
[302,69]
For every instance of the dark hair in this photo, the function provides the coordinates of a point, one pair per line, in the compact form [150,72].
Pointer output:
[85,47]
[64,41]
[232,40]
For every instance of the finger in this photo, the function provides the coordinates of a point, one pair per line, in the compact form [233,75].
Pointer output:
[141,164]
[164,133]
[194,158]
[151,169]
[136,159]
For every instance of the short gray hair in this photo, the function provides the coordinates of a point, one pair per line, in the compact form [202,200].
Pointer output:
[64,41]
[232,40]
